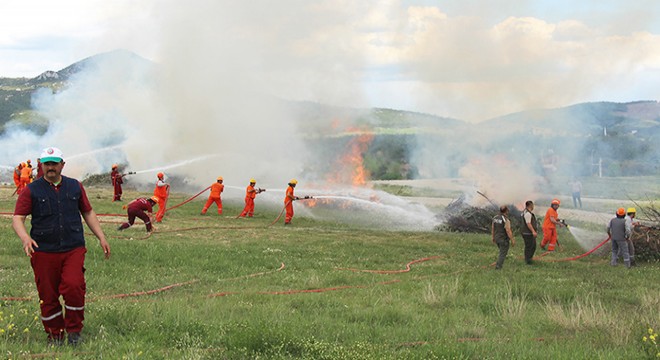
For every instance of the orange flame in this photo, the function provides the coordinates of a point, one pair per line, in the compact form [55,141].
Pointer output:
[350,166]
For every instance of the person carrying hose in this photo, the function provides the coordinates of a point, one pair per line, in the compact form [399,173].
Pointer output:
[161,191]
[550,223]
[117,180]
[288,201]
[216,189]
[250,194]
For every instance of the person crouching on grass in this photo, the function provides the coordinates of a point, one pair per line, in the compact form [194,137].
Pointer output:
[502,235]
[141,208]
[56,245]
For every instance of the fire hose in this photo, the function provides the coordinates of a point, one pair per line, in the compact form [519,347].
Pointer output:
[582,255]
[185,201]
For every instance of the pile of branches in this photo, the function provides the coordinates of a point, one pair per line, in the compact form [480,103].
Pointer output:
[462,217]
[646,237]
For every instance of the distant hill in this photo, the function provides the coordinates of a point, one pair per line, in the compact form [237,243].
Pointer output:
[622,138]
[16,93]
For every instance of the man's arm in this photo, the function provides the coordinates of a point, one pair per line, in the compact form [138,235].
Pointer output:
[529,224]
[492,232]
[509,233]
[93,223]
[18,223]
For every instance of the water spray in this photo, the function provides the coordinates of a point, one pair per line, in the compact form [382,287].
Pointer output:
[179,164]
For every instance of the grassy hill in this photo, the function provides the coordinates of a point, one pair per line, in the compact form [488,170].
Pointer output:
[217,287]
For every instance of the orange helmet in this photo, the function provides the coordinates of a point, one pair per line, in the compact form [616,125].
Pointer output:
[155,199]
[555,202]
[620,211]
[219,178]
[114,166]
[160,175]
[29,162]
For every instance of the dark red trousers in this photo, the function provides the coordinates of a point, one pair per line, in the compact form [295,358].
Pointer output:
[61,274]
[132,214]
[118,192]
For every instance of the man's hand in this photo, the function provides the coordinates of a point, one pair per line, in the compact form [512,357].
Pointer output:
[106,247]
[28,247]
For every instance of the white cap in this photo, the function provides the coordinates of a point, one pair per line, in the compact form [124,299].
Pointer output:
[51,154]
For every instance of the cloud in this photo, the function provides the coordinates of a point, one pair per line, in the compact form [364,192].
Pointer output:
[464,67]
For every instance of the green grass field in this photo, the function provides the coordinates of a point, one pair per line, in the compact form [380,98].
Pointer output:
[223,288]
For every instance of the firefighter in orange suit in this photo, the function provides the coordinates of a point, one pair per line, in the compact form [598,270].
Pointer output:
[250,194]
[216,189]
[26,176]
[161,191]
[17,176]
[288,201]
[550,223]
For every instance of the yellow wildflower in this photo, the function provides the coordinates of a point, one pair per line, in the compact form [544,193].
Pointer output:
[644,339]
[26,330]
[650,331]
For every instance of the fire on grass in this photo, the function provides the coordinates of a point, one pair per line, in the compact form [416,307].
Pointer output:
[348,169]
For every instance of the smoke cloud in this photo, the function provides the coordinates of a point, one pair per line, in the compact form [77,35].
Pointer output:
[217,102]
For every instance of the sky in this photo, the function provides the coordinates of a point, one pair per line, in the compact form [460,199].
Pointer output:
[471,60]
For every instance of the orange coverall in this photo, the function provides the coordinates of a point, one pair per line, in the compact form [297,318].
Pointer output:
[216,189]
[17,176]
[162,190]
[288,204]
[250,194]
[26,176]
[550,229]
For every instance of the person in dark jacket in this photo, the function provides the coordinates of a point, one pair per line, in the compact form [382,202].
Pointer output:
[529,230]
[56,245]
[502,235]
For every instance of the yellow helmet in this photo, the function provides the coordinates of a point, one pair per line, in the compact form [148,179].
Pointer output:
[219,178]
[253,181]
[631,210]
[293,181]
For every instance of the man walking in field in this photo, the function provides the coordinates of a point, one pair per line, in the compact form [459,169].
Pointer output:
[619,230]
[502,235]
[56,245]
